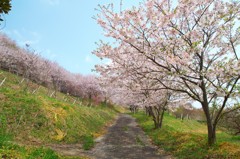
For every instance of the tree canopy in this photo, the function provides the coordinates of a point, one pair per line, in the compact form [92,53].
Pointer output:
[5,7]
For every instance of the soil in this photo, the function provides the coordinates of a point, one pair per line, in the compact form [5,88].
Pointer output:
[123,140]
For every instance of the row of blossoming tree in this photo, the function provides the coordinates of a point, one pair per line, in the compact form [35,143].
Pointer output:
[32,67]
[164,50]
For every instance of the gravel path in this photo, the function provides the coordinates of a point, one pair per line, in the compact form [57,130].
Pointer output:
[125,140]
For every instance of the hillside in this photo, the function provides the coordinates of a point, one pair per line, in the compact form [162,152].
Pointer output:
[30,117]
[187,139]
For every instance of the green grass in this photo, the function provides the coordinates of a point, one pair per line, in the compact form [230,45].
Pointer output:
[8,150]
[125,128]
[42,153]
[188,139]
[139,141]
[88,142]
[36,118]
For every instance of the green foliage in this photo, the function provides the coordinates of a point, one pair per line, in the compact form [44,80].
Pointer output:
[125,128]
[5,7]
[139,141]
[9,150]
[88,142]
[43,154]
[4,139]
[187,139]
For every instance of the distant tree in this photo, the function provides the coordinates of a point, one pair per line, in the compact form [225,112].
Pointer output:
[157,110]
[133,108]
[91,88]
[184,111]
[231,121]
[32,67]
[198,114]
[5,7]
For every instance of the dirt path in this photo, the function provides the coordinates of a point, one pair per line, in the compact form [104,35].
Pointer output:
[125,140]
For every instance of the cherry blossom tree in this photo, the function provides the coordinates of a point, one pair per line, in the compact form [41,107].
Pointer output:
[91,88]
[32,67]
[189,47]
[108,91]
[133,88]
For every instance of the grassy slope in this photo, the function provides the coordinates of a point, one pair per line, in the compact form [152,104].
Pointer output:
[38,119]
[187,139]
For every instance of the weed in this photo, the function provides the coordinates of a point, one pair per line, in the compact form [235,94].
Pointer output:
[43,154]
[125,128]
[139,141]
[88,142]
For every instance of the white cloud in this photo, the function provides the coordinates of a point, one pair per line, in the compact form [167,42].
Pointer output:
[17,34]
[31,38]
[88,59]
[108,62]
[49,54]
[23,36]
[52,2]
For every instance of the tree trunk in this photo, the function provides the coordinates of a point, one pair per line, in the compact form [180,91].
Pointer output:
[211,127]
[89,100]
[152,114]
[147,111]
[161,119]
[105,101]
[211,134]
[156,122]
[157,114]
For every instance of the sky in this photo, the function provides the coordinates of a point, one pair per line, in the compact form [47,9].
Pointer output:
[60,30]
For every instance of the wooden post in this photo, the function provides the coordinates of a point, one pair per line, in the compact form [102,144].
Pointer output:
[3,81]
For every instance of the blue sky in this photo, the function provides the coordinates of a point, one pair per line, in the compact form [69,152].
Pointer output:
[60,30]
